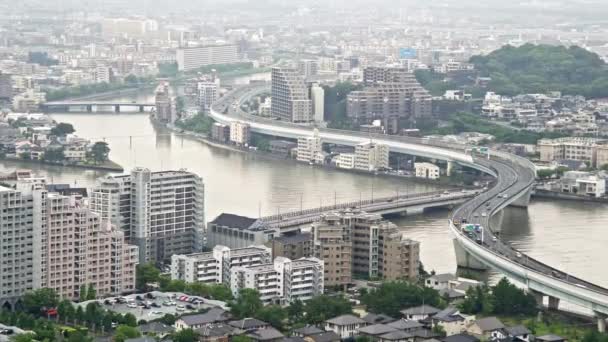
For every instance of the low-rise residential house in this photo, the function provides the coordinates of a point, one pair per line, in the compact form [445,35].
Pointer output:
[439,281]
[158,329]
[326,336]
[396,336]
[75,152]
[489,328]
[519,333]
[214,315]
[452,321]
[307,331]
[372,318]
[268,334]
[345,325]
[248,324]
[419,313]
[406,325]
[550,338]
[217,332]
[374,331]
[460,338]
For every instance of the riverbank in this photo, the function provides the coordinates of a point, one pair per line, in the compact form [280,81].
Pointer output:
[108,166]
[542,193]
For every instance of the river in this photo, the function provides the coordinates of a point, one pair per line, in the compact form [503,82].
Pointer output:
[572,236]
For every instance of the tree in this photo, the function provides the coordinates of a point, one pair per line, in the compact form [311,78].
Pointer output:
[91,292]
[54,155]
[36,300]
[220,292]
[130,320]
[273,315]
[391,297]
[321,308]
[93,314]
[241,338]
[510,300]
[247,304]
[27,337]
[295,310]
[146,273]
[124,332]
[65,310]
[82,294]
[79,314]
[168,319]
[184,335]
[131,79]
[100,151]
[545,173]
[62,129]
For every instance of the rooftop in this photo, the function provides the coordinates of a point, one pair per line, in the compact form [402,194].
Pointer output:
[421,310]
[345,320]
[211,316]
[376,329]
[489,324]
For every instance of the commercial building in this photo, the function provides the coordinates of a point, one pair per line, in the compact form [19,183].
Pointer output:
[593,152]
[215,266]
[308,67]
[160,212]
[196,57]
[220,132]
[390,95]
[427,170]
[282,148]
[292,246]
[165,109]
[370,156]
[236,231]
[310,149]
[282,281]
[289,94]
[240,133]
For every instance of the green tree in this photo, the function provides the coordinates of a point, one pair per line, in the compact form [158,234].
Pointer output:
[247,304]
[91,292]
[144,274]
[100,151]
[184,335]
[510,300]
[130,320]
[241,338]
[391,297]
[168,319]
[295,311]
[65,310]
[321,308]
[545,173]
[273,315]
[131,79]
[54,155]
[220,292]
[27,337]
[124,332]
[36,300]
[79,314]
[62,129]
[82,294]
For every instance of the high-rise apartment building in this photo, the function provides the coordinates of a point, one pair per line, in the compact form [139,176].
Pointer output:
[390,94]
[165,109]
[308,67]
[317,96]
[208,93]
[240,133]
[196,57]
[289,95]
[160,212]
[370,156]
[6,86]
[333,245]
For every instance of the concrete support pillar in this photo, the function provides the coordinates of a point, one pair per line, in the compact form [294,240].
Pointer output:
[89,108]
[117,108]
[539,297]
[601,321]
[523,200]
[450,167]
[466,260]
[553,303]
[141,109]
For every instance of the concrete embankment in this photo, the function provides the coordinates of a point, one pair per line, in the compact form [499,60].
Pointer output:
[541,193]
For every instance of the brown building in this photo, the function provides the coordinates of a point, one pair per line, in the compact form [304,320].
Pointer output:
[292,247]
[335,249]
[220,132]
[400,256]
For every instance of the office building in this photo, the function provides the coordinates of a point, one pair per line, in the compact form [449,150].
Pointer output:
[236,231]
[292,246]
[220,132]
[165,110]
[289,95]
[370,156]
[240,133]
[196,57]
[427,170]
[282,281]
[308,67]
[591,151]
[310,149]
[317,97]
[215,266]
[160,212]
[208,93]
[6,86]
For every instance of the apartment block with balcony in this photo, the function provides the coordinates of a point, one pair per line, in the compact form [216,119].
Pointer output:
[310,149]
[588,150]
[266,279]
[370,156]
[290,96]
[333,245]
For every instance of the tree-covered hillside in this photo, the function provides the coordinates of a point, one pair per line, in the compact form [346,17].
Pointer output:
[542,68]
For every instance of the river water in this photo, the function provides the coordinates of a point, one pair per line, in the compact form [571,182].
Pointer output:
[572,236]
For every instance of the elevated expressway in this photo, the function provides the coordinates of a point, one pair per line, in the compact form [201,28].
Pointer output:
[514,179]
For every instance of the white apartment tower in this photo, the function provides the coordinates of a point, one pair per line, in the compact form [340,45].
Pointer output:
[240,133]
[289,95]
[160,212]
[310,149]
[165,109]
[317,96]
[196,57]
[208,93]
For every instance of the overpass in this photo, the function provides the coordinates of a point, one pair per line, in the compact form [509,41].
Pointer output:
[400,204]
[480,250]
[92,106]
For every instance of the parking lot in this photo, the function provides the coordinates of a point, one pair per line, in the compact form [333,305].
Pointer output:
[153,305]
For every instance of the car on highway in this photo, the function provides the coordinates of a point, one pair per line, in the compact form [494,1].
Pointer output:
[484,214]
[518,254]
[132,305]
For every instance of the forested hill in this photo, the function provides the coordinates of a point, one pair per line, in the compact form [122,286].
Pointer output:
[542,68]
